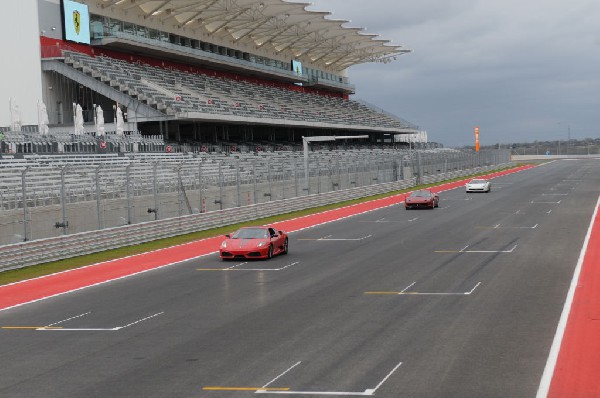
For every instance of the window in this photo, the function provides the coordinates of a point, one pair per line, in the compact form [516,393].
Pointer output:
[129,28]
[141,31]
[115,26]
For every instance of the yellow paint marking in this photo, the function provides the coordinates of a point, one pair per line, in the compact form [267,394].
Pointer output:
[31,327]
[243,389]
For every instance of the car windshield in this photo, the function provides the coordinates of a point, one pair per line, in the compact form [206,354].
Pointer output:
[420,194]
[250,233]
[478,181]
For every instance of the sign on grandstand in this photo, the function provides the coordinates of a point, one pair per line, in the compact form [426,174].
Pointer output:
[178,98]
[297,67]
[76,21]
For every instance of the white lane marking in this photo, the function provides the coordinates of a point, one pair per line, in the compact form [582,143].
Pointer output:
[343,239]
[372,391]
[413,219]
[472,290]
[497,226]
[367,392]
[238,265]
[556,203]
[68,319]
[381,219]
[562,323]
[98,329]
[404,292]
[518,211]
[408,287]
[314,393]
[490,251]
[141,320]
[549,211]
[555,194]
[250,269]
[280,375]
[463,250]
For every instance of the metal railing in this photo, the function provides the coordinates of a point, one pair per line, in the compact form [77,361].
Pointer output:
[103,192]
[66,246]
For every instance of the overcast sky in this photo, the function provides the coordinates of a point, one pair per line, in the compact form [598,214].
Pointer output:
[522,70]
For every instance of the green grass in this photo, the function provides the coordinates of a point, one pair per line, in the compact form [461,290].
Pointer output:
[81,261]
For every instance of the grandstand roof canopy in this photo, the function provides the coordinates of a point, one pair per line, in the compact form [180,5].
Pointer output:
[284,26]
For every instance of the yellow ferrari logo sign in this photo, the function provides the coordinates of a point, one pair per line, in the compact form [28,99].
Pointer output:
[77,21]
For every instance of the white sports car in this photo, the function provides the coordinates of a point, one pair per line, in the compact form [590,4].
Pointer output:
[478,185]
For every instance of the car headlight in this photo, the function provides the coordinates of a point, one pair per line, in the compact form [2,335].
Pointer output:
[224,244]
[261,244]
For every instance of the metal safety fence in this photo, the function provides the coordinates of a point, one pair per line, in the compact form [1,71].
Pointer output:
[28,253]
[43,197]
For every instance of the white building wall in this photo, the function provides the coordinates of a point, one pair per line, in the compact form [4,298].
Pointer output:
[20,68]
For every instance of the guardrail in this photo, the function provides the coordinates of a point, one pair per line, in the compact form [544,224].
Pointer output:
[29,253]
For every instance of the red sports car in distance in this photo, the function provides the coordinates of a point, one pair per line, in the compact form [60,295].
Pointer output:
[423,198]
[254,242]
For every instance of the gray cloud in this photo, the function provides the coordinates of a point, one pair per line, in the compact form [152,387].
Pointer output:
[522,70]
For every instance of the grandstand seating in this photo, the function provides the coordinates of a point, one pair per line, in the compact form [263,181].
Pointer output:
[176,92]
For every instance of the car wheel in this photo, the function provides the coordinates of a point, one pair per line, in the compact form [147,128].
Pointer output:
[285,247]
[270,252]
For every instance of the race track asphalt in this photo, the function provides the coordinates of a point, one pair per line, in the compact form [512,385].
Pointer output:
[460,301]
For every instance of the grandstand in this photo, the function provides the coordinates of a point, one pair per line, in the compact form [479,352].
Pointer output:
[195,75]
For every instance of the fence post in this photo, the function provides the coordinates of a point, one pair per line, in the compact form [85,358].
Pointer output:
[220,185]
[296,175]
[98,212]
[128,192]
[179,190]
[64,225]
[283,179]
[200,187]
[419,170]
[269,179]
[24,196]
[237,181]
[155,189]
[254,180]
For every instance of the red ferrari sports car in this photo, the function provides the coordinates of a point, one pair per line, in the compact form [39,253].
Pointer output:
[422,198]
[254,242]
